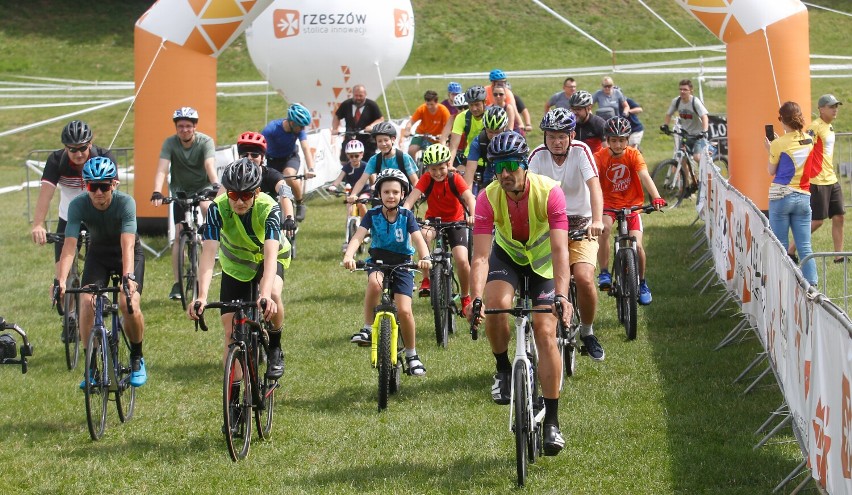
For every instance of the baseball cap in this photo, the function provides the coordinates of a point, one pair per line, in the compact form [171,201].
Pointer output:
[828,100]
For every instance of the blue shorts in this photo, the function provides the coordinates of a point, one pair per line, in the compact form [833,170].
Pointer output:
[403,281]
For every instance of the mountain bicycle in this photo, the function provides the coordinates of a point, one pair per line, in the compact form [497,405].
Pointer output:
[353,217]
[386,349]
[67,308]
[250,340]
[566,337]
[107,368]
[8,345]
[291,236]
[190,241]
[444,285]
[625,269]
[677,178]
[526,409]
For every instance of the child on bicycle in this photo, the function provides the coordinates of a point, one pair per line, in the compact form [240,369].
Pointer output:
[448,198]
[352,172]
[252,145]
[393,231]
[623,172]
[389,156]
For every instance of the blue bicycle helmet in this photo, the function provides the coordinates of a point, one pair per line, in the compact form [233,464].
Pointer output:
[496,75]
[508,146]
[558,120]
[99,168]
[299,115]
[454,87]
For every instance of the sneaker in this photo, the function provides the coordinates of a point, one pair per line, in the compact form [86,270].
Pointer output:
[644,294]
[301,209]
[604,280]
[362,337]
[593,347]
[83,382]
[424,287]
[138,375]
[175,293]
[465,302]
[414,366]
[553,441]
[275,364]
[500,391]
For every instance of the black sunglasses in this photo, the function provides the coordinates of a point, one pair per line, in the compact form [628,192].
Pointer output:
[98,186]
[81,149]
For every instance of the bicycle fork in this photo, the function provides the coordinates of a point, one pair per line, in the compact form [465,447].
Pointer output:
[522,348]
[374,340]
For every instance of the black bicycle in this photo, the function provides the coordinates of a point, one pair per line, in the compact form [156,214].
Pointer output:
[444,286]
[567,336]
[9,346]
[107,358]
[256,392]
[190,241]
[67,308]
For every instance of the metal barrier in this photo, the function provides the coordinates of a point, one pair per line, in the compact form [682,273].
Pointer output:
[843,163]
[825,266]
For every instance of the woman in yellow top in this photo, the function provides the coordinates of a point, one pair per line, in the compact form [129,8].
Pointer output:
[789,193]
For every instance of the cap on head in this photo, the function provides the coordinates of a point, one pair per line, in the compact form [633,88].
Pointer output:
[828,100]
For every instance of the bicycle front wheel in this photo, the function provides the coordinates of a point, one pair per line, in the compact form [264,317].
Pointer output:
[97,383]
[263,414]
[190,273]
[628,292]
[236,404]
[384,362]
[125,394]
[69,327]
[520,393]
[670,179]
[183,264]
[438,295]
[451,310]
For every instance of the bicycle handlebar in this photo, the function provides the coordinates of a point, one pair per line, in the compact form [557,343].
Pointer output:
[98,290]
[235,305]
[206,194]
[437,224]
[578,234]
[623,212]
[363,265]
[297,177]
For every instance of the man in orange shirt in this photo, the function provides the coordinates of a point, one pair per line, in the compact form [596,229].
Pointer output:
[623,172]
[433,117]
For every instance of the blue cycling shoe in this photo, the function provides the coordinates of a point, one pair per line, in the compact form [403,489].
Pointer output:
[644,294]
[138,375]
[604,280]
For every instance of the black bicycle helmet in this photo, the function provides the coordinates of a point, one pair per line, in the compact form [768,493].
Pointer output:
[383,129]
[242,175]
[508,145]
[392,174]
[617,126]
[474,94]
[76,132]
[580,99]
[558,120]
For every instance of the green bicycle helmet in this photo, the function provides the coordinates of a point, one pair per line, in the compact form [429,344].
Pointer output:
[495,118]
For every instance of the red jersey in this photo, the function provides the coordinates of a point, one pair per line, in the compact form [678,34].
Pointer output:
[619,177]
[441,202]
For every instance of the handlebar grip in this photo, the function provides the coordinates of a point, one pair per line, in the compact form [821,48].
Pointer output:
[476,309]
[200,321]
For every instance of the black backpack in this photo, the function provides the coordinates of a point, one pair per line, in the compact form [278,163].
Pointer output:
[400,163]
[451,182]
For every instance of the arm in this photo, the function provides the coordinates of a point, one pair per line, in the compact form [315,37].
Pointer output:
[470,166]
[422,250]
[210,169]
[270,271]
[160,177]
[335,127]
[470,203]
[357,187]
[561,270]
[128,242]
[596,198]
[45,194]
[412,198]
[354,242]
[625,108]
[69,250]
[370,127]
[479,264]
[648,183]
[512,113]
[309,159]
[527,119]
[705,122]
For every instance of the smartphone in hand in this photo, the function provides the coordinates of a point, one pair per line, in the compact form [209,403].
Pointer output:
[770,132]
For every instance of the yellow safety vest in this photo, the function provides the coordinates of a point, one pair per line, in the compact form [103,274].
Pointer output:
[536,251]
[240,257]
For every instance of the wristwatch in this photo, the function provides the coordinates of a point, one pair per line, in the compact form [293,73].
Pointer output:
[130,276]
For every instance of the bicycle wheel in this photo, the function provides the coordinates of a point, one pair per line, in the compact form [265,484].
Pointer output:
[520,392]
[670,181]
[535,444]
[183,264]
[628,292]
[384,362]
[351,228]
[438,294]
[451,306]
[263,414]
[69,327]
[125,395]
[190,273]
[237,410]
[97,387]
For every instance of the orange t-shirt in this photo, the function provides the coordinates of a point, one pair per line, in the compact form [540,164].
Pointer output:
[619,177]
[430,123]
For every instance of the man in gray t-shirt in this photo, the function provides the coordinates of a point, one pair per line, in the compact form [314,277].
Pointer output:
[561,99]
[610,101]
[692,117]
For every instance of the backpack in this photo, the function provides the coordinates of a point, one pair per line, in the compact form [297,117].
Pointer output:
[400,163]
[450,182]
[694,108]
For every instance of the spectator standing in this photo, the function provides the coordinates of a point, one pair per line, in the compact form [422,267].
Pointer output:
[611,102]
[560,99]
[358,113]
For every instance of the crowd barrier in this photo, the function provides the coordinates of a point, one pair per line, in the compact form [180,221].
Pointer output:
[806,338]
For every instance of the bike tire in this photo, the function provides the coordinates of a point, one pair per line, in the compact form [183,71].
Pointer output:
[629,291]
[569,339]
[384,363]
[670,182]
[263,415]
[351,228]
[70,328]
[190,274]
[125,394]
[438,294]
[451,305]
[240,414]
[96,389]
[520,391]
[183,262]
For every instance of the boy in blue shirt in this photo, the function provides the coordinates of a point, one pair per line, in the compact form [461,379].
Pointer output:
[388,157]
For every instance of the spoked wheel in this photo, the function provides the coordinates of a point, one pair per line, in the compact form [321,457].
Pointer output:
[237,409]
[125,394]
[351,228]
[385,366]
[292,246]
[263,417]
[629,291]
[438,296]
[69,327]
[535,443]
[396,372]
[183,263]
[670,181]
[189,274]
[97,387]
[520,384]
[451,307]
[569,338]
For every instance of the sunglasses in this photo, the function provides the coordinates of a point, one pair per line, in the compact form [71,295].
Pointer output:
[98,186]
[251,154]
[499,167]
[606,85]
[80,149]
[245,196]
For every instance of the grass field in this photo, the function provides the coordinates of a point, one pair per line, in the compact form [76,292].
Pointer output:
[659,416]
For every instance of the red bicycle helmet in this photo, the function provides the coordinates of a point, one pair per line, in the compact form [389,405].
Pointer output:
[250,138]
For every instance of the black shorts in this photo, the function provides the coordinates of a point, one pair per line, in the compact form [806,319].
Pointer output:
[457,236]
[237,290]
[501,267]
[103,261]
[281,164]
[826,201]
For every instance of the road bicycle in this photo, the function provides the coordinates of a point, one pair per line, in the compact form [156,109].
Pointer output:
[566,337]
[444,286]
[190,241]
[353,217]
[255,392]
[387,354]
[677,177]
[526,408]
[67,308]
[8,345]
[291,235]
[625,269]
[107,369]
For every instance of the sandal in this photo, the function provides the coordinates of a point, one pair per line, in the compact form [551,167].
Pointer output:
[840,259]
[414,366]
